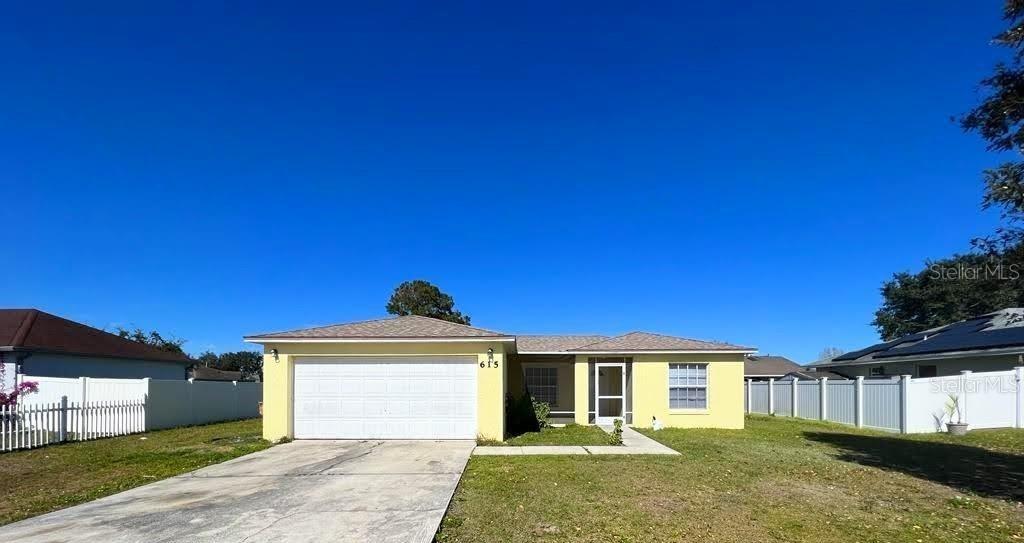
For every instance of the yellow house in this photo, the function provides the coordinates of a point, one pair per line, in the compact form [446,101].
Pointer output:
[414,377]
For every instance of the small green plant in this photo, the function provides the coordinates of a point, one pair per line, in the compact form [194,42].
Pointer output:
[541,410]
[617,432]
[485,442]
[953,408]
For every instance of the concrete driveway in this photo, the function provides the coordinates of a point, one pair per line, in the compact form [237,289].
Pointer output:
[307,491]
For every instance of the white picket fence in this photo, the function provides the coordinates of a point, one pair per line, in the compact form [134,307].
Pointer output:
[28,426]
[902,404]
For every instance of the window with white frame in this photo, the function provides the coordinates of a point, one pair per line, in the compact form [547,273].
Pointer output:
[542,384]
[687,386]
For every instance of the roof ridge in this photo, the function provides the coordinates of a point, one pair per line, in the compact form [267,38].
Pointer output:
[678,337]
[388,318]
[453,323]
[564,335]
[25,327]
[602,340]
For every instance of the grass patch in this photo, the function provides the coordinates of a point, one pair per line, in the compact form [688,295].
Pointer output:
[778,480]
[46,479]
[570,434]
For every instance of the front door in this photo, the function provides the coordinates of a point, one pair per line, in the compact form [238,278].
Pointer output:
[610,392]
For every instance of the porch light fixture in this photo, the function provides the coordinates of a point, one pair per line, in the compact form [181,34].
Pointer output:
[273,352]
[490,355]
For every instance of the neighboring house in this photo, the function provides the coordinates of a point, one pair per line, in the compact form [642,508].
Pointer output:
[811,375]
[415,377]
[762,368]
[36,343]
[203,373]
[991,342]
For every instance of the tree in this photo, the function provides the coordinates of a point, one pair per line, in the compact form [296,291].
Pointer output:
[999,120]
[828,353]
[964,286]
[422,298]
[250,363]
[947,291]
[153,339]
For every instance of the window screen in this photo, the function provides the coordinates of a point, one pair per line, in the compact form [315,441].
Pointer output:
[542,384]
[688,386]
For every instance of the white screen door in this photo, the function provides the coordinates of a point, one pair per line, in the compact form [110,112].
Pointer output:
[610,392]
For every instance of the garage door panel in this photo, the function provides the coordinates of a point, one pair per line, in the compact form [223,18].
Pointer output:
[386,398]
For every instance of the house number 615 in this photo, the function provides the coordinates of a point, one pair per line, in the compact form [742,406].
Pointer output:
[489,364]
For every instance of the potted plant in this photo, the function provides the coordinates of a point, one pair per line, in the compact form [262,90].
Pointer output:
[959,427]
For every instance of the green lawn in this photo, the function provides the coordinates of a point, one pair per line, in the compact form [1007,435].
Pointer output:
[570,434]
[41,480]
[778,480]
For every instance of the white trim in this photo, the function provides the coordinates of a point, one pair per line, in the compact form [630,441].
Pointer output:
[597,392]
[265,341]
[706,387]
[637,352]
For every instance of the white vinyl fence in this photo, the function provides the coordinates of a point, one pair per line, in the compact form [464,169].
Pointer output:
[68,409]
[903,404]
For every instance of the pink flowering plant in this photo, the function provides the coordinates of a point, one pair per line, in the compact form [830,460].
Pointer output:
[9,398]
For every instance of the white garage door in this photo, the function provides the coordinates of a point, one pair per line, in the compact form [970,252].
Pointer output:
[422,397]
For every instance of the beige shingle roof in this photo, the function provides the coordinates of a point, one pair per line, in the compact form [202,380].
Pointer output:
[551,344]
[416,327]
[408,326]
[645,341]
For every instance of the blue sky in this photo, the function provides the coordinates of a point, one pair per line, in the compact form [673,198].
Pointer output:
[749,176]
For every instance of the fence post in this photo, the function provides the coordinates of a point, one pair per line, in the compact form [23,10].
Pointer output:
[964,374]
[1020,396]
[148,383]
[234,395]
[795,409]
[771,395]
[823,410]
[191,402]
[63,419]
[904,403]
[750,409]
[858,400]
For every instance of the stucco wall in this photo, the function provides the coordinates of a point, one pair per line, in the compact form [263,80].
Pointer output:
[650,391]
[944,367]
[565,383]
[62,365]
[278,384]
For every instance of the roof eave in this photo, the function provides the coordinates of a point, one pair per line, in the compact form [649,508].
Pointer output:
[947,355]
[485,339]
[8,348]
[666,351]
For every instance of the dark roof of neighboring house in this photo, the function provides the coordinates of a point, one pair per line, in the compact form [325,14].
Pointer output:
[203,373]
[768,366]
[998,331]
[813,375]
[34,330]
[402,327]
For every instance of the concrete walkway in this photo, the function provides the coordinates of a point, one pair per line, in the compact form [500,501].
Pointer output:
[633,442]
